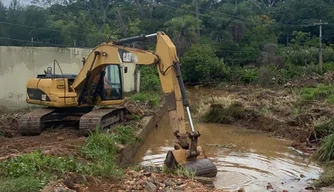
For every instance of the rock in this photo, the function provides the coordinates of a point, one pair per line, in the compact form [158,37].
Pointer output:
[180,187]
[148,174]
[60,138]
[242,190]
[170,183]
[168,189]
[150,179]
[149,186]
[285,190]
[302,176]
[269,186]
[204,180]
[210,185]
[309,188]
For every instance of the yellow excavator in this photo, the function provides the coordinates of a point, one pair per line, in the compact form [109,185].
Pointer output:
[74,98]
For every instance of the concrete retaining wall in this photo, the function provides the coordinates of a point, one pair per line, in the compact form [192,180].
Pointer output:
[18,64]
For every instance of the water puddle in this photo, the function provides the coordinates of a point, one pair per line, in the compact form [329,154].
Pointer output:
[244,158]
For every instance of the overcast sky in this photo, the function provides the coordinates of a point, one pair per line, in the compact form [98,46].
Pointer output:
[22,2]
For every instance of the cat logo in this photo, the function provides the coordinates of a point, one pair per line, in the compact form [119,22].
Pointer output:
[127,57]
[43,97]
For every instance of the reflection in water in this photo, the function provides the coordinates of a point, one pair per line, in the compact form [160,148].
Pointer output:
[244,158]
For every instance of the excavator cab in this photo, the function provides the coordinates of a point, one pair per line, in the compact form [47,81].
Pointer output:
[107,84]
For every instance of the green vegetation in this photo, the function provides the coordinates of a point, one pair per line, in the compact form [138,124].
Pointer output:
[101,149]
[32,171]
[245,41]
[149,79]
[152,98]
[325,129]
[23,183]
[319,93]
[325,153]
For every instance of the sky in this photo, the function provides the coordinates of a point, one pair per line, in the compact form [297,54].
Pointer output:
[22,2]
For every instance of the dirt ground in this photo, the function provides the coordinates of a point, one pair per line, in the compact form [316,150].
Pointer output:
[54,142]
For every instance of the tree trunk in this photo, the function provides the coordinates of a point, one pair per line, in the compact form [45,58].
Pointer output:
[121,22]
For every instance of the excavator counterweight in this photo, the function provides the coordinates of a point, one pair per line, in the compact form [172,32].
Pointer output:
[100,82]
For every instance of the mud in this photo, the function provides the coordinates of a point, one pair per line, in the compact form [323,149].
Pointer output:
[245,158]
[59,142]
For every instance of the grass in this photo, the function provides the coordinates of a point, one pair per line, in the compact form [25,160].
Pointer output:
[180,171]
[152,98]
[326,150]
[24,183]
[32,171]
[321,92]
[325,129]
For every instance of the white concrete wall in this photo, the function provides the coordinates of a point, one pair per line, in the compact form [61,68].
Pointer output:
[18,64]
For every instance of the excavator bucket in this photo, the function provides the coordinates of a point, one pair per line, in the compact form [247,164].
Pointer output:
[194,161]
[201,166]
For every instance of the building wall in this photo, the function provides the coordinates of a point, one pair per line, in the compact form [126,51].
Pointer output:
[18,64]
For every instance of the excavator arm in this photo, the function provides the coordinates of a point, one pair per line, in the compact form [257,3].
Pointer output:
[167,63]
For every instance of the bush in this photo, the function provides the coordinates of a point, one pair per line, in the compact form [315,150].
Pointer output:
[328,67]
[149,79]
[200,65]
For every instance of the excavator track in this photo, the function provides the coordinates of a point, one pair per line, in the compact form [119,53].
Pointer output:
[32,122]
[101,118]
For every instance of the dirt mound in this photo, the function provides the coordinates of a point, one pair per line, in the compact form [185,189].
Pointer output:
[8,123]
[55,142]
[312,81]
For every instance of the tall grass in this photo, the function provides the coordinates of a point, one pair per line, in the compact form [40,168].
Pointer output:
[326,150]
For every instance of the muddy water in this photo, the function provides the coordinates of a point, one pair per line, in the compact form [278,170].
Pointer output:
[244,158]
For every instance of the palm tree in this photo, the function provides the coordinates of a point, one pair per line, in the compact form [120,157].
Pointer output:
[183,31]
